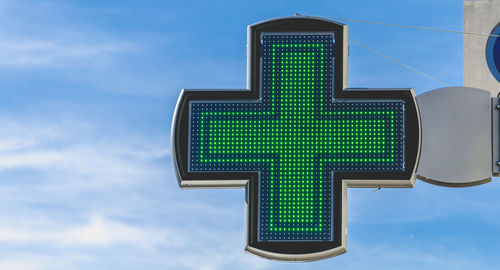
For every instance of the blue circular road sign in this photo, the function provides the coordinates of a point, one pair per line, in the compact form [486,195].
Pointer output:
[493,53]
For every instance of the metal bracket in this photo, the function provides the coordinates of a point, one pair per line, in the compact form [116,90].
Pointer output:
[495,135]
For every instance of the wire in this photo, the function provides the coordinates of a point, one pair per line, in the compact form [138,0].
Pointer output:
[399,62]
[411,27]
[416,27]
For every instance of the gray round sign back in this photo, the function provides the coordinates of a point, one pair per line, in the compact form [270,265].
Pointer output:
[456,137]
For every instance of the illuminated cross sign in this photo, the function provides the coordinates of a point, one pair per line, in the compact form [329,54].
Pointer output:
[297,139]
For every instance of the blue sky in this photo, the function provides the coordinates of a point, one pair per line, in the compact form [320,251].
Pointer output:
[87,93]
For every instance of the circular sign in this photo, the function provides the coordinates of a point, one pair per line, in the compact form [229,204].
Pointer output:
[493,53]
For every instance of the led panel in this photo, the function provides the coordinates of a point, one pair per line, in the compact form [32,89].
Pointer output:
[296,137]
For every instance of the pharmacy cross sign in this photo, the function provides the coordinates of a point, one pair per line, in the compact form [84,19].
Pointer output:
[297,139]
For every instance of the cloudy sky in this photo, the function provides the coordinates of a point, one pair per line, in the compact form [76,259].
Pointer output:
[87,93]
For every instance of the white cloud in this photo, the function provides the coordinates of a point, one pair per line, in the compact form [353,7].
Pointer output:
[50,34]
[9,161]
[60,147]
[99,231]
[10,144]
[84,159]
[22,52]
[28,263]
[59,41]
[19,133]
[33,261]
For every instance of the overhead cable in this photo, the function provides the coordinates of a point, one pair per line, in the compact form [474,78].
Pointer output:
[399,62]
[415,27]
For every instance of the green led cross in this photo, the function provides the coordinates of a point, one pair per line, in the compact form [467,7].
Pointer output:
[297,137]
